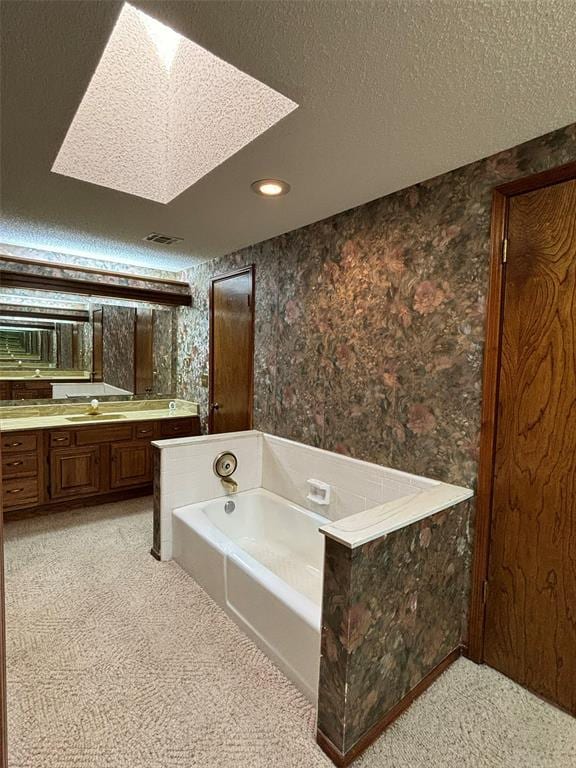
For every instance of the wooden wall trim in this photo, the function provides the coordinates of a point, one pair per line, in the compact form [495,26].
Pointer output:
[49,325]
[77,316]
[490,381]
[536,181]
[95,271]
[15,279]
[87,283]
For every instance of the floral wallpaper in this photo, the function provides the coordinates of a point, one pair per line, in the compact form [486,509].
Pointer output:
[164,351]
[392,611]
[118,346]
[370,324]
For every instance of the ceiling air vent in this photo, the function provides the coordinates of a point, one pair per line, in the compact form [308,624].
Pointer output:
[156,237]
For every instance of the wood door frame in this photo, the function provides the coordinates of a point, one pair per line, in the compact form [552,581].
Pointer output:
[490,386]
[143,315]
[249,270]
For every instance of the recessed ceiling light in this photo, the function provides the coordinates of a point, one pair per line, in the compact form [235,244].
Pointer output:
[270,187]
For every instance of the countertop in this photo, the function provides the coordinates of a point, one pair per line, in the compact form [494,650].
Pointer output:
[23,417]
[56,375]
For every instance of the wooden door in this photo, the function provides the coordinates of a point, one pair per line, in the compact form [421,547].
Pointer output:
[97,345]
[143,353]
[131,464]
[75,472]
[231,351]
[530,620]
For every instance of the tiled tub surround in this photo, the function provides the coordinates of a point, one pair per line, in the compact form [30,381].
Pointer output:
[395,571]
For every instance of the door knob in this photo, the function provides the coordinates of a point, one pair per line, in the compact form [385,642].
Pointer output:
[215,406]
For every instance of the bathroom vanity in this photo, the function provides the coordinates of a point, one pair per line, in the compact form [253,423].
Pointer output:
[26,386]
[59,456]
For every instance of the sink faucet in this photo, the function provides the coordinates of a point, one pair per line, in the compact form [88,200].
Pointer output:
[93,408]
[230,484]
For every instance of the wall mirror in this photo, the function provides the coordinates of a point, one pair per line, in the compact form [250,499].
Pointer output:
[102,348]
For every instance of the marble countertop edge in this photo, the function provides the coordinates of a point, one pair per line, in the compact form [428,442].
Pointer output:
[58,420]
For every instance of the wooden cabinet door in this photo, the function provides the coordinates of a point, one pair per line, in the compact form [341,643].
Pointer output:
[131,464]
[75,472]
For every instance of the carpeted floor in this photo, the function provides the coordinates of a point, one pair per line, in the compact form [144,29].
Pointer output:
[117,661]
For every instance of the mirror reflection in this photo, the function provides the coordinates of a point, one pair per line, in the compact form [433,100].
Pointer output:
[99,349]
[44,345]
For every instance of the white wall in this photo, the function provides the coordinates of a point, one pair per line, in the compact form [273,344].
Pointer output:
[354,485]
[187,476]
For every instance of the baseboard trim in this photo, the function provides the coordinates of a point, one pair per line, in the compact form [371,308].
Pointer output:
[79,504]
[343,760]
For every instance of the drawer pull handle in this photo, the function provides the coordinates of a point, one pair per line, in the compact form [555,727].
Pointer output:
[144,431]
[59,439]
[16,490]
[13,445]
[15,463]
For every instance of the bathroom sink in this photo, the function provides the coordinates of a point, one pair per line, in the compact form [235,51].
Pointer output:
[97,417]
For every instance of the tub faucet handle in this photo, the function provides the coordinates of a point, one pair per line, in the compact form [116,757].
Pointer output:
[224,467]
[230,484]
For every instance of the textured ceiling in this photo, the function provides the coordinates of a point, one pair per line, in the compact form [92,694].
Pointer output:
[161,112]
[390,93]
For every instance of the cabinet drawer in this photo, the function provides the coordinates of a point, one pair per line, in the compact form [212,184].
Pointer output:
[19,465]
[20,493]
[103,434]
[34,384]
[31,390]
[59,439]
[175,427]
[13,442]
[146,431]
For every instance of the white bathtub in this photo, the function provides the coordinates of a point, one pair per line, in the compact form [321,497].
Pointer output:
[263,564]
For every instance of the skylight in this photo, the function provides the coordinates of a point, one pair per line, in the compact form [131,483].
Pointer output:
[161,112]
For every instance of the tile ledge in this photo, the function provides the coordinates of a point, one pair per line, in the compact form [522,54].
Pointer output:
[363,527]
[173,442]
